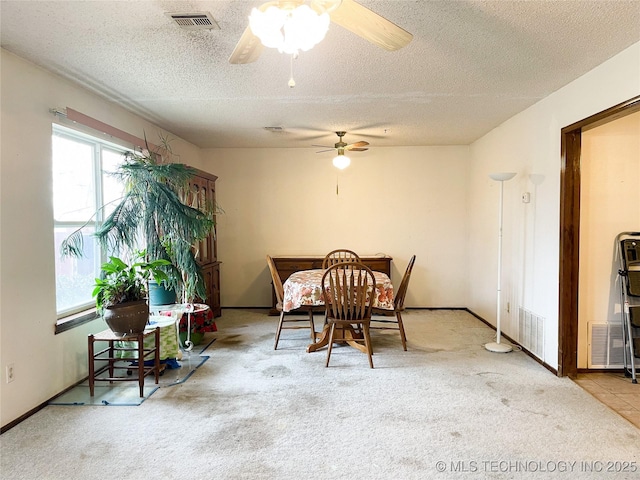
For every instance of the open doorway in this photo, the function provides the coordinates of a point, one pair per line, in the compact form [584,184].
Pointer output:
[571,137]
[609,205]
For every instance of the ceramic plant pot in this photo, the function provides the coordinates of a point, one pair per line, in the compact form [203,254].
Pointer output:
[127,318]
[158,295]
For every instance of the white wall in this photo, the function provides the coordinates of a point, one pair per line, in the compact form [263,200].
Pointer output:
[45,364]
[609,204]
[398,201]
[529,143]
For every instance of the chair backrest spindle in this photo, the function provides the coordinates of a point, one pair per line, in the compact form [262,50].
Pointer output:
[348,288]
[339,256]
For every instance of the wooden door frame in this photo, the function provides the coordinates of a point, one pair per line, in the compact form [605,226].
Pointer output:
[571,145]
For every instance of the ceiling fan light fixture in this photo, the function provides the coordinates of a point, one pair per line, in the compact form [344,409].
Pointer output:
[341,161]
[289,30]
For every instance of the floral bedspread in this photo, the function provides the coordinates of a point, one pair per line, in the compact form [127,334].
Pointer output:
[303,288]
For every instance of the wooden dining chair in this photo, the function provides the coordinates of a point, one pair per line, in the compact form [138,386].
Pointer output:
[348,289]
[398,308]
[339,256]
[279,289]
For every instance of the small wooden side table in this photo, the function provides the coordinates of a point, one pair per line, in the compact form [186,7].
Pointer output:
[149,352]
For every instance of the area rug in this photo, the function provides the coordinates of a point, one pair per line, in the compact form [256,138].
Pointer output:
[128,393]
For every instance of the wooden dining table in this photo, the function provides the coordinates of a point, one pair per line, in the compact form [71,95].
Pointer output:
[304,288]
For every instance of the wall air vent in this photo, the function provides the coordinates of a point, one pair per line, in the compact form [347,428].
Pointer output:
[606,345]
[531,332]
[195,21]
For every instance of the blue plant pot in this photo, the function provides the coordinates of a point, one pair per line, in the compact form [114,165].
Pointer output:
[159,295]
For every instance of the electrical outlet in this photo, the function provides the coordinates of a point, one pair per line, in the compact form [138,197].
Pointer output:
[11,374]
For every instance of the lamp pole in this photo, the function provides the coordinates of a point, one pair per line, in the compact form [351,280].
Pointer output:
[497,346]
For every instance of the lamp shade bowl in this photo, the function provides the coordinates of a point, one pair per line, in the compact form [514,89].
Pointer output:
[502,177]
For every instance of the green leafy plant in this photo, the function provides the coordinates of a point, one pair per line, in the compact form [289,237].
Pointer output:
[121,283]
[152,215]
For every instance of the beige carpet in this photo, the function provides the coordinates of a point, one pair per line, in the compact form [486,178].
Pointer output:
[445,409]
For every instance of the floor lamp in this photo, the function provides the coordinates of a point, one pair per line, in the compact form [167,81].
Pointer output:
[497,346]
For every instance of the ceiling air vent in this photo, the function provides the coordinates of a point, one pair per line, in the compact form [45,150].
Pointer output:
[275,129]
[195,21]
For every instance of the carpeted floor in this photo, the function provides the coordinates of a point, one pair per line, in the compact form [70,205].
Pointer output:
[447,408]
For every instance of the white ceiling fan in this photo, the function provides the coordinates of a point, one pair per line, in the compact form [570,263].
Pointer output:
[346,13]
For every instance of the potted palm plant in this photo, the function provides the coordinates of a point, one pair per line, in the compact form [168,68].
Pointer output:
[121,293]
[151,215]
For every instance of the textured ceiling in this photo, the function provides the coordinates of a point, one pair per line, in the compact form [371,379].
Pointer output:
[471,65]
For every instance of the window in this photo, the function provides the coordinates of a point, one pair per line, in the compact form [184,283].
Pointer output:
[81,185]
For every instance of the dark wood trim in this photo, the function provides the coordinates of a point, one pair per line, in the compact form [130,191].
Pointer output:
[23,417]
[571,143]
[601,370]
[569,251]
[36,409]
[609,115]
[202,173]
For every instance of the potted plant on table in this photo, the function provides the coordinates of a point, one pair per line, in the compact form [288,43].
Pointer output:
[153,214]
[121,293]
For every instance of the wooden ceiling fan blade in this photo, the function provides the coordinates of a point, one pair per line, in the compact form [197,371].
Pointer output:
[370,26]
[248,48]
[327,150]
[361,143]
[357,149]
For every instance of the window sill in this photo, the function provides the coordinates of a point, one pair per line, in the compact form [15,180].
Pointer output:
[75,320]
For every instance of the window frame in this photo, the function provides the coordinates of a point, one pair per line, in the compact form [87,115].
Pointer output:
[80,314]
